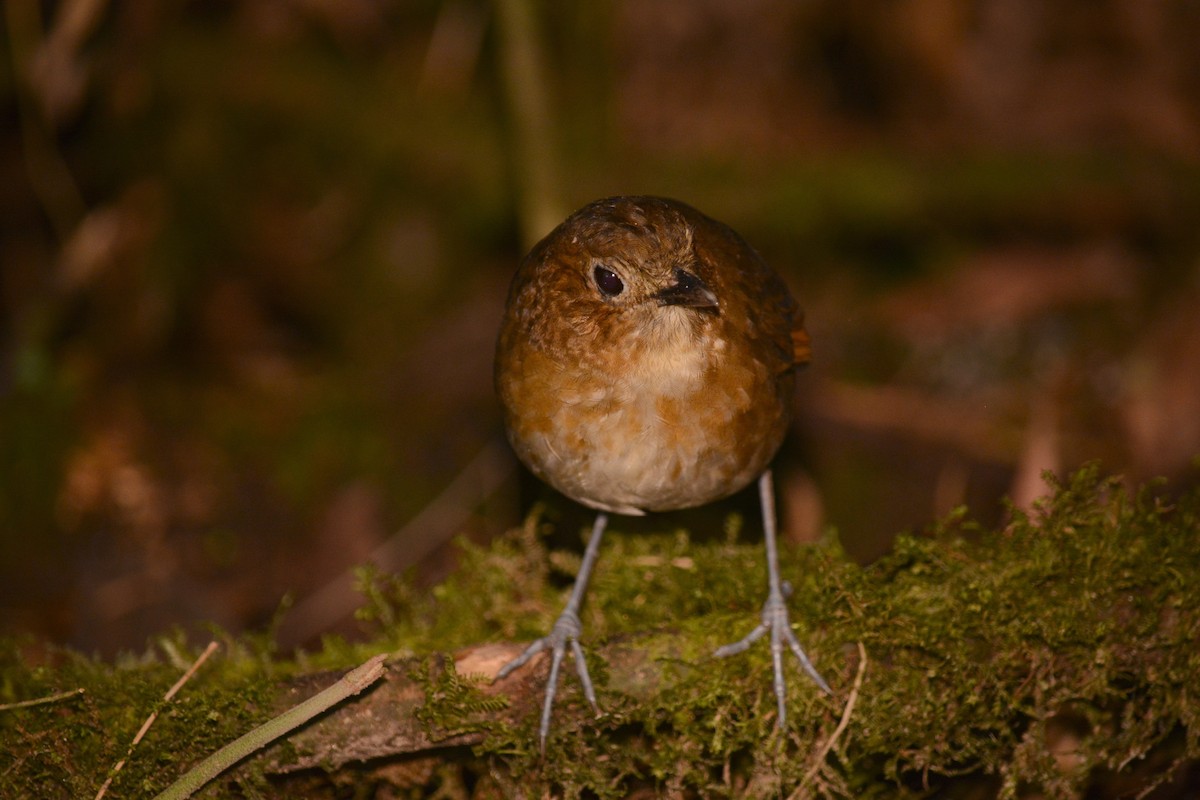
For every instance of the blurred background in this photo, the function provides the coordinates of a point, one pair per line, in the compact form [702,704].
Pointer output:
[253,258]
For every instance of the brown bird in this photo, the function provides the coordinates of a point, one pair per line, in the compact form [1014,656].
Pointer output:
[646,362]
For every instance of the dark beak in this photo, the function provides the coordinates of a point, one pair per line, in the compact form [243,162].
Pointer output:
[687,290]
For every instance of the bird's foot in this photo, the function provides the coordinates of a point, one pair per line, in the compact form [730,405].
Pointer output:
[775,620]
[565,632]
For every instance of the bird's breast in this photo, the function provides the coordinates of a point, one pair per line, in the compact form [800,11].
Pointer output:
[647,427]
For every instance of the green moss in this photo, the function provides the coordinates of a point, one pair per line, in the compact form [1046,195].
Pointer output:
[453,703]
[503,591]
[1047,656]
[66,749]
[1044,654]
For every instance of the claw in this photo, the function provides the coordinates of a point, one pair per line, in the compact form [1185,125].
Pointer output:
[775,614]
[565,631]
[775,620]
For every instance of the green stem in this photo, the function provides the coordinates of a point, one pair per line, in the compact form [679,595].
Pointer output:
[351,684]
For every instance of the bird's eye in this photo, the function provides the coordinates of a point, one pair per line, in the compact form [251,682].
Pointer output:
[608,282]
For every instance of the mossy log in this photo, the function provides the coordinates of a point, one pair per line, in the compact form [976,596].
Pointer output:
[1055,657]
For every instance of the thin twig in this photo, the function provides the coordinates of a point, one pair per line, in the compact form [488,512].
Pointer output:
[351,684]
[53,698]
[187,676]
[841,726]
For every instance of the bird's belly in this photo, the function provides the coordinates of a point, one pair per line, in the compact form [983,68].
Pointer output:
[631,448]
[639,458]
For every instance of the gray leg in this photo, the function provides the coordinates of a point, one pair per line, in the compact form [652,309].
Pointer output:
[565,632]
[774,611]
